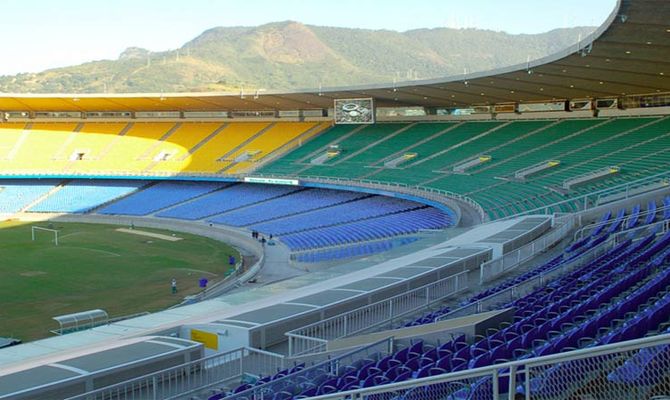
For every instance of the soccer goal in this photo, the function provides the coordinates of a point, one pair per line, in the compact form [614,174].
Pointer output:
[35,229]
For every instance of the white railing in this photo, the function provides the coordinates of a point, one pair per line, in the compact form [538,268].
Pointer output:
[631,191]
[493,268]
[331,366]
[191,377]
[643,214]
[523,288]
[662,226]
[595,199]
[588,373]
[314,338]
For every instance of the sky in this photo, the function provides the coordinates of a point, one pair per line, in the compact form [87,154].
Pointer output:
[41,34]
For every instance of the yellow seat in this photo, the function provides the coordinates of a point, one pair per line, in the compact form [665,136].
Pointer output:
[37,147]
[207,158]
[165,148]
[271,140]
[130,153]
[178,145]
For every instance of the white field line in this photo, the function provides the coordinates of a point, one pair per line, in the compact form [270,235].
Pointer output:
[150,234]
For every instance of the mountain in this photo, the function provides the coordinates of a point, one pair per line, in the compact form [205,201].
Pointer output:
[290,55]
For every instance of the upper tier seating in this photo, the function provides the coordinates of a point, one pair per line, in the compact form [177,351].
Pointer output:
[636,145]
[122,148]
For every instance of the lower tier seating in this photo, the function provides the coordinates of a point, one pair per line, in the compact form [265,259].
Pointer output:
[325,224]
[621,296]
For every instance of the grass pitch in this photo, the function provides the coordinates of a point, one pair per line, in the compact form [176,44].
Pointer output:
[95,266]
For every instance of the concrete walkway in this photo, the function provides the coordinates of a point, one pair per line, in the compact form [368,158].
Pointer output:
[276,267]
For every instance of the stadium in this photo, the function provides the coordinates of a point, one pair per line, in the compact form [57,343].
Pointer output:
[510,241]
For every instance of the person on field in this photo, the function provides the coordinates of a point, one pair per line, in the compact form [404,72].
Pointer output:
[174,286]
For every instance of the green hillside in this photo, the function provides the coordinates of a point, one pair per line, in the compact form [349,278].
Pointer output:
[290,55]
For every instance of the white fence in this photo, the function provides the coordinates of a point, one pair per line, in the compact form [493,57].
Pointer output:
[661,226]
[604,372]
[192,377]
[314,338]
[494,268]
[316,371]
[604,196]
[521,289]
[642,216]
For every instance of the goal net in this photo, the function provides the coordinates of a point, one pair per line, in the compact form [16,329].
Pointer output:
[35,229]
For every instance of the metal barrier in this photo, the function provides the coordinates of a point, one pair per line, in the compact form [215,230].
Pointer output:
[519,290]
[267,390]
[662,226]
[643,214]
[598,198]
[637,369]
[191,377]
[494,268]
[314,338]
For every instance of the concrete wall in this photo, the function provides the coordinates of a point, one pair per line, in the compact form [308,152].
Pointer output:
[633,112]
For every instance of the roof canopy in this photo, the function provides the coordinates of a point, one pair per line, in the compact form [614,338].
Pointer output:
[629,54]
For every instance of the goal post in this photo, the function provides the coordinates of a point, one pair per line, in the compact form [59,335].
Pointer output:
[34,229]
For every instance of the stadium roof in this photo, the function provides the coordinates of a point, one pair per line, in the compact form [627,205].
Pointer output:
[628,54]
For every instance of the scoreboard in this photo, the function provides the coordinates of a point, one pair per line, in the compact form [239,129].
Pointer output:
[354,111]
